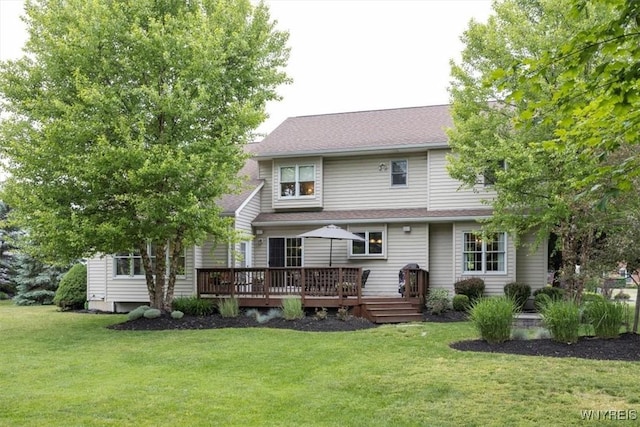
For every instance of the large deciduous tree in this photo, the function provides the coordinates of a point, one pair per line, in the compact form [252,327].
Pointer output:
[498,144]
[127,121]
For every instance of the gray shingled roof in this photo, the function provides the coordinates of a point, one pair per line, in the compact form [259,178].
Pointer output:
[369,215]
[343,132]
[231,202]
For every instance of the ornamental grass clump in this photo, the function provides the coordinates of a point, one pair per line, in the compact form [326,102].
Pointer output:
[493,318]
[137,312]
[152,313]
[605,317]
[292,308]
[229,307]
[562,318]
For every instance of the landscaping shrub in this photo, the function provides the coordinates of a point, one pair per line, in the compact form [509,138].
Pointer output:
[588,297]
[472,287]
[228,307]
[437,301]
[292,308]
[72,290]
[152,313]
[518,292]
[177,314]
[321,313]
[542,295]
[562,318]
[605,317]
[3,296]
[273,313]
[460,302]
[621,296]
[40,296]
[193,306]
[137,312]
[493,318]
[342,313]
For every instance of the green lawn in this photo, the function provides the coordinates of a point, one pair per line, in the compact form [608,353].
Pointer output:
[67,369]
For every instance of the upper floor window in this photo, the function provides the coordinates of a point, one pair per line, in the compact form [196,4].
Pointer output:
[372,246]
[484,254]
[399,172]
[297,181]
[129,264]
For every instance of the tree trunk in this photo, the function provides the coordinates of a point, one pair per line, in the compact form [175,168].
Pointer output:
[155,274]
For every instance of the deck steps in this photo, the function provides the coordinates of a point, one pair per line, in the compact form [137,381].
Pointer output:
[391,310]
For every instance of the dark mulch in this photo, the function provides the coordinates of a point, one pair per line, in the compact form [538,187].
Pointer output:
[627,347]
[215,321]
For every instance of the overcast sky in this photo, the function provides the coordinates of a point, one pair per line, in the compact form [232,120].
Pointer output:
[347,55]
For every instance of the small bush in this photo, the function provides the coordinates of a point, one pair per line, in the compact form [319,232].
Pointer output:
[542,295]
[562,318]
[321,313]
[193,306]
[152,313]
[273,313]
[493,318]
[518,292]
[175,314]
[519,334]
[8,288]
[472,287]
[137,312]
[588,297]
[229,307]
[3,296]
[605,317]
[622,296]
[342,313]
[460,302]
[72,290]
[437,301]
[292,308]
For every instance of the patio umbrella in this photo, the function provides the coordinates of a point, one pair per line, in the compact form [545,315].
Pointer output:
[332,232]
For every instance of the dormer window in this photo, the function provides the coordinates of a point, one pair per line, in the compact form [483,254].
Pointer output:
[297,181]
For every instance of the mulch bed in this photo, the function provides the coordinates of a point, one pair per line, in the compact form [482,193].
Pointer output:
[626,347]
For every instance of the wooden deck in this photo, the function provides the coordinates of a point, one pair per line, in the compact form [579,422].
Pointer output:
[317,286]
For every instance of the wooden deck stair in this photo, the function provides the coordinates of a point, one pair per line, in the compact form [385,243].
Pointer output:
[391,310]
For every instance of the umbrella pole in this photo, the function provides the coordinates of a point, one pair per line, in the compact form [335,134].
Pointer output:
[330,250]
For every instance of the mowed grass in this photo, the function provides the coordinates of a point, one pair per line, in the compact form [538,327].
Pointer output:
[68,369]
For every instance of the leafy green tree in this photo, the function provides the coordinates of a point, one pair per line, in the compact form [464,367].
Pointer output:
[128,121]
[498,144]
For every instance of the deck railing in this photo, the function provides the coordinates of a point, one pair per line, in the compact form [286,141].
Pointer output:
[340,282]
[416,284]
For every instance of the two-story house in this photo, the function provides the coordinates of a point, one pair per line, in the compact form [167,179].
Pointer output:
[379,174]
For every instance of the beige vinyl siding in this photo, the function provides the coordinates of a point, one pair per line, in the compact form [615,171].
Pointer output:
[494,282]
[531,262]
[445,192]
[358,183]
[265,172]
[214,255]
[441,257]
[314,201]
[244,218]
[126,289]
[97,283]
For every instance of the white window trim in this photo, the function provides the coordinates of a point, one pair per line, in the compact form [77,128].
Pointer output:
[285,249]
[366,231]
[142,276]
[484,256]
[297,182]
[406,184]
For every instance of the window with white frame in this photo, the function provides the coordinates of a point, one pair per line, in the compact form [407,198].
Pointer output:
[484,254]
[372,246]
[129,264]
[297,181]
[399,170]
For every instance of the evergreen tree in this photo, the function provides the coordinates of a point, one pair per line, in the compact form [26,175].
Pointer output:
[35,282]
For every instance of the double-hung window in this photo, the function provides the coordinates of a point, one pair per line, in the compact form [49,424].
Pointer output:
[484,254]
[129,264]
[399,170]
[372,246]
[297,181]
